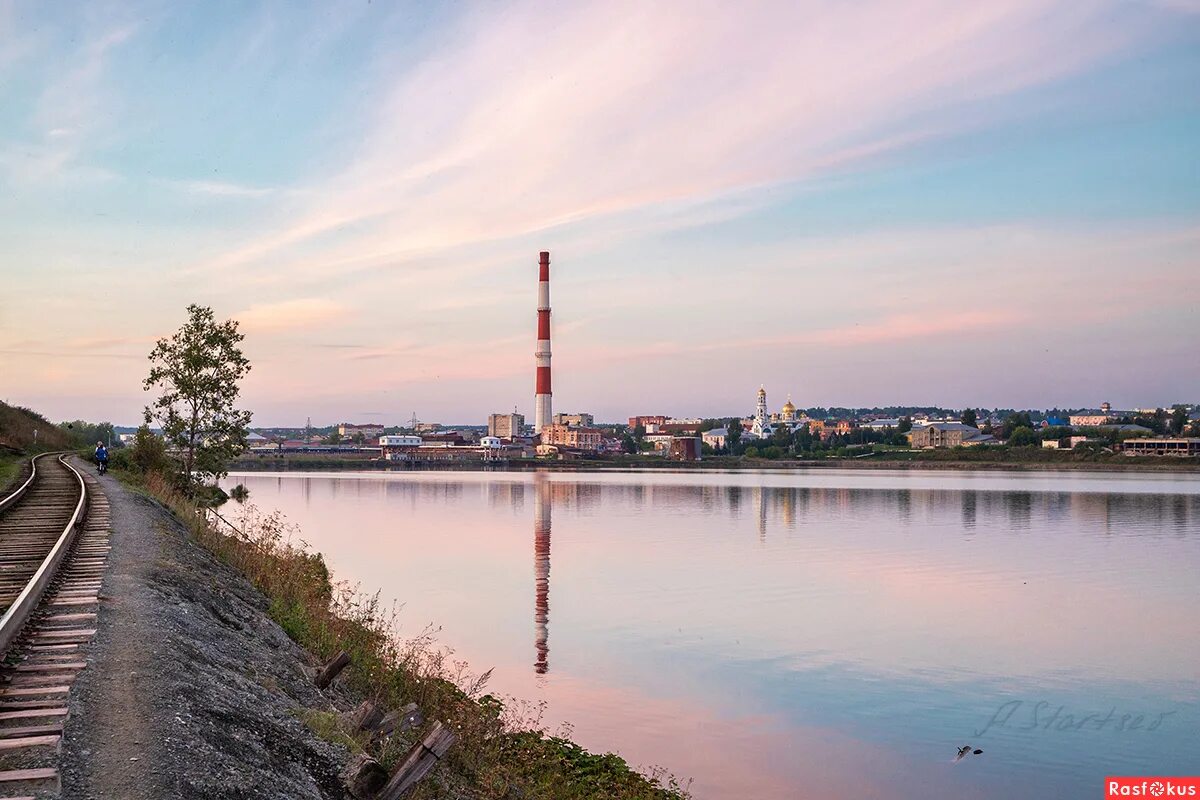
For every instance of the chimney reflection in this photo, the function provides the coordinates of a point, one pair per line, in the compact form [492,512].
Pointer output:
[541,572]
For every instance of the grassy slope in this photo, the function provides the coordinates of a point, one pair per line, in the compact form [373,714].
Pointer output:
[9,465]
[17,425]
[498,755]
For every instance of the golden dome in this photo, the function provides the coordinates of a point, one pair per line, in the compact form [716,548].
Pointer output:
[788,408]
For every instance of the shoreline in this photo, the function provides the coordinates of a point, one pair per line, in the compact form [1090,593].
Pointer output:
[253,591]
[716,464]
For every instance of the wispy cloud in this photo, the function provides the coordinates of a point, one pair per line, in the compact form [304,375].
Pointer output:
[223,189]
[287,314]
[898,329]
[636,106]
[67,354]
[67,112]
[329,164]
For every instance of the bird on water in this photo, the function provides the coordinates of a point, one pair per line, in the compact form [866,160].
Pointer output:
[965,751]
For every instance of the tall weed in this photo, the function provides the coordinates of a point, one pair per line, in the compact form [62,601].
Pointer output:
[503,749]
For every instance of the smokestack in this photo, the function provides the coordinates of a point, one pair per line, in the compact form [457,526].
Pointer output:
[543,414]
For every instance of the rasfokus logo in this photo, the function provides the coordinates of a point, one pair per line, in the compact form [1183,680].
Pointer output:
[1151,786]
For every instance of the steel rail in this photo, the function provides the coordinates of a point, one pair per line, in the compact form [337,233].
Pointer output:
[30,598]
[24,487]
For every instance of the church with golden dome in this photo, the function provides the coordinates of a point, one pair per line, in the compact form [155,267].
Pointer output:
[765,424]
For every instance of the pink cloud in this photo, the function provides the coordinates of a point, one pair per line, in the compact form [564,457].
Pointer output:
[537,116]
[289,314]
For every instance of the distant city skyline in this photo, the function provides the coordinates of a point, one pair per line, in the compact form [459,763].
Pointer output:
[861,205]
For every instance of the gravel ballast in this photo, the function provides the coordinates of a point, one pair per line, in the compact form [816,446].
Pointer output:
[191,690]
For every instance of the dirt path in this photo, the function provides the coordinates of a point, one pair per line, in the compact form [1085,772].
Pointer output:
[191,690]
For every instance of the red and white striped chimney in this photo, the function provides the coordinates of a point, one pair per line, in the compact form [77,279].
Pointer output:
[542,414]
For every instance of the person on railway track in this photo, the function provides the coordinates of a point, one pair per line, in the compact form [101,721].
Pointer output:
[101,458]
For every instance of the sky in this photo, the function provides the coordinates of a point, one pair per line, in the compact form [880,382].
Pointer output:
[857,204]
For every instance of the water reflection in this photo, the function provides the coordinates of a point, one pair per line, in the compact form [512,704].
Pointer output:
[970,501]
[778,635]
[1017,510]
[541,572]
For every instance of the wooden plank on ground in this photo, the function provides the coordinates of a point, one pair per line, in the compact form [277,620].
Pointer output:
[29,741]
[33,713]
[31,730]
[34,691]
[17,775]
[421,759]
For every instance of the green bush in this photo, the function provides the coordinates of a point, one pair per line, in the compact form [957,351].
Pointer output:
[118,459]
[149,453]
[1023,437]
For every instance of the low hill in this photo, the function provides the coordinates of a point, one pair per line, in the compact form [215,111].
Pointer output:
[17,426]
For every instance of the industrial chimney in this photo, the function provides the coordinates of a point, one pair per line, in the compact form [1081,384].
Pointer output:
[542,413]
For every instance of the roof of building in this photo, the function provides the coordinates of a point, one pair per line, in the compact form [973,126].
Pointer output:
[948,426]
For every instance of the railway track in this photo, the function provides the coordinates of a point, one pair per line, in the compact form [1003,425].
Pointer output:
[53,550]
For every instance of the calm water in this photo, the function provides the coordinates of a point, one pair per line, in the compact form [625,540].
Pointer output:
[805,634]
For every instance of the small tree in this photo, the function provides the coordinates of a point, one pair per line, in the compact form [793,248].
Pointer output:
[1014,421]
[148,453]
[783,437]
[1023,436]
[198,370]
[733,434]
[968,417]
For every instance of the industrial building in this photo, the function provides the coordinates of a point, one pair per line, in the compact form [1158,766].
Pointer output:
[349,431]
[578,420]
[506,426]
[573,437]
[684,448]
[415,449]
[1180,447]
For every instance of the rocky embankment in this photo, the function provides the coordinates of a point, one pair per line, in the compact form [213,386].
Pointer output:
[192,691]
